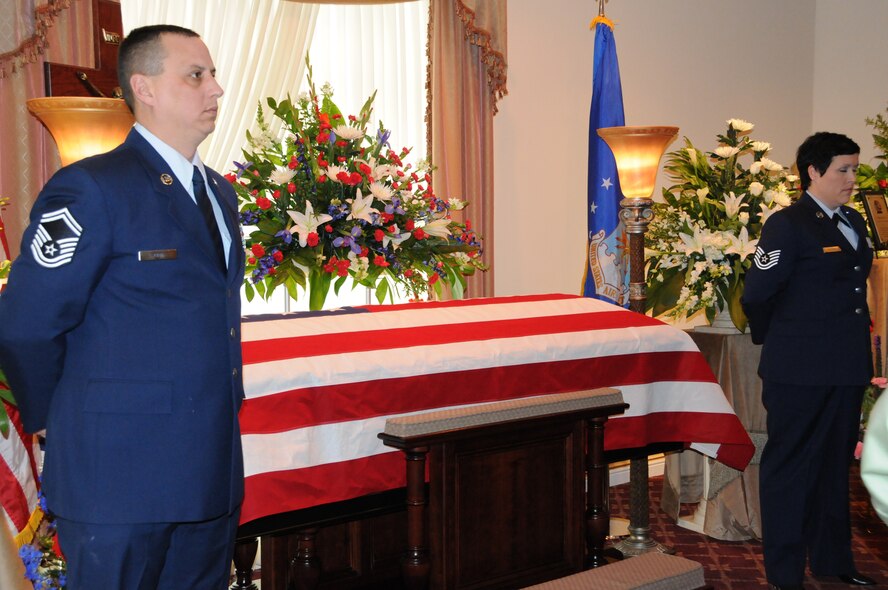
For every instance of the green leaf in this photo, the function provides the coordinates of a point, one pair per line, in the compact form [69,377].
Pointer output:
[735,308]
[665,296]
[382,289]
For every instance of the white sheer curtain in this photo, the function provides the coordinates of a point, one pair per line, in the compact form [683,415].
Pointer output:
[258,47]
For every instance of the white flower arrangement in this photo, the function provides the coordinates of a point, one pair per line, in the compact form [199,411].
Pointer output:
[702,239]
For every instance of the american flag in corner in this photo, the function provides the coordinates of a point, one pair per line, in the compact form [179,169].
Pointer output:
[606,274]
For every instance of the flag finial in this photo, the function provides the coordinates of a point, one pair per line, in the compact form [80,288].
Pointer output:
[601,18]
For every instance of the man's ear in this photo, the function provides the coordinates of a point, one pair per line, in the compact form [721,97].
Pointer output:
[143,88]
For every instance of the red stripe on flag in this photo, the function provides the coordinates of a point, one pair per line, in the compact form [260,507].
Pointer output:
[12,495]
[470,302]
[275,349]
[282,491]
[380,397]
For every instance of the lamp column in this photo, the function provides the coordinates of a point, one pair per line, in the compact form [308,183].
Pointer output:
[637,152]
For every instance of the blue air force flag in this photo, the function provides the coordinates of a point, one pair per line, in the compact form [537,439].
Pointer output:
[606,274]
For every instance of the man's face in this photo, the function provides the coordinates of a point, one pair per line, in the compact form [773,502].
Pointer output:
[186,92]
[835,185]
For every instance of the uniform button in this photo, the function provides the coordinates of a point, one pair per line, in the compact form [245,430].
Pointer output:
[857,268]
[234,373]
[233,332]
[228,293]
[858,311]
[858,289]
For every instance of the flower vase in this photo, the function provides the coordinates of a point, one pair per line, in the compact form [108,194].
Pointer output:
[318,287]
[721,324]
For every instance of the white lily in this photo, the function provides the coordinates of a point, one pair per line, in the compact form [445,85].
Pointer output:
[702,193]
[741,244]
[692,243]
[437,228]
[395,239]
[306,223]
[733,204]
[361,207]
[767,211]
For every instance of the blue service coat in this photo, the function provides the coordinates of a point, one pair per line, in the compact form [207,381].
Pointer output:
[120,334]
[805,297]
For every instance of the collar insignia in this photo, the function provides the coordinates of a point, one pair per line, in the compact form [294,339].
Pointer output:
[166,179]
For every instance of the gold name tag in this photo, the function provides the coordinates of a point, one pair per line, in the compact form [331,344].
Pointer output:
[148,255]
[832,249]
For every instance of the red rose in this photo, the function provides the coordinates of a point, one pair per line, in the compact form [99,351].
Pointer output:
[251,260]
[331,264]
[409,225]
[365,169]
[292,164]
[291,188]
[883,184]
[312,239]
[231,178]
[328,228]
[276,194]
[432,279]
[278,256]
[355,178]
[408,273]
[322,178]
[258,250]
[419,234]
[379,260]
[263,203]
[322,137]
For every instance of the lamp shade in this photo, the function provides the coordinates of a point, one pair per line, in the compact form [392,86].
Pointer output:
[637,151]
[83,126]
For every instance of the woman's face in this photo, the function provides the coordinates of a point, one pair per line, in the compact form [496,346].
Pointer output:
[835,185]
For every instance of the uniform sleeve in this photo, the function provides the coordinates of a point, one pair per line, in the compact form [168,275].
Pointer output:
[64,251]
[874,460]
[771,269]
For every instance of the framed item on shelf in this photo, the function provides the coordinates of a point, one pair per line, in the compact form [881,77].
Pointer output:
[876,206]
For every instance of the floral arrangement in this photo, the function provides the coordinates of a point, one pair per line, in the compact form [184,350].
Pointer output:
[875,178]
[45,566]
[703,236]
[331,200]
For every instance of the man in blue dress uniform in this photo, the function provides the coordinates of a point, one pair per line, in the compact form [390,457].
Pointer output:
[121,337]
[805,296]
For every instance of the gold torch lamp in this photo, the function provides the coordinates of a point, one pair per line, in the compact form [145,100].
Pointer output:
[637,151]
[83,126]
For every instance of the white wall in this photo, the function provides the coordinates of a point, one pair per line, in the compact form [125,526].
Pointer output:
[690,63]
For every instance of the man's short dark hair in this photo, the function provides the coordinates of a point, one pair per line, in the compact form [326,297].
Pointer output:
[819,151]
[142,53]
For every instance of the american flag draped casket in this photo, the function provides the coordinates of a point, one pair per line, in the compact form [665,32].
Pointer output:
[320,386]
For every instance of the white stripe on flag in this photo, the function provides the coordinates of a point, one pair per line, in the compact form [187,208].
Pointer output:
[331,443]
[276,376]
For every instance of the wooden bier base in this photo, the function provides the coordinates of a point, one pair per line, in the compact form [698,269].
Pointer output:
[507,505]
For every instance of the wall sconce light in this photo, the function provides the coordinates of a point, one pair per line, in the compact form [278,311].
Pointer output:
[637,152]
[83,126]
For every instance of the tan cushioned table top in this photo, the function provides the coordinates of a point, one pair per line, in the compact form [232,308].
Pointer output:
[649,571]
[442,420]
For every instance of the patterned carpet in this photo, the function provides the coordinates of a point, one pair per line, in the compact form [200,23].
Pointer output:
[738,565]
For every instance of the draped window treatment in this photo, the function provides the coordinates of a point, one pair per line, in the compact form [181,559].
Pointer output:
[467,76]
[258,48]
[28,155]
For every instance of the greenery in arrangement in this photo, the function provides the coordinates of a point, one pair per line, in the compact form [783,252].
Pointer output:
[331,200]
[703,236]
[875,178]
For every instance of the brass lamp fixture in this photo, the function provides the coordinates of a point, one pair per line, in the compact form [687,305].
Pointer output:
[83,126]
[637,151]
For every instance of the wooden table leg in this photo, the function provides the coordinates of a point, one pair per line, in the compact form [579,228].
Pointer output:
[597,511]
[305,567]
[244,556]
[416,566]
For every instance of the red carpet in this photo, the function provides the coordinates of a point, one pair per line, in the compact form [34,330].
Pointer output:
[738,565]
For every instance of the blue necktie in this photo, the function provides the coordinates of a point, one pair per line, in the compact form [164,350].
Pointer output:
[206,210]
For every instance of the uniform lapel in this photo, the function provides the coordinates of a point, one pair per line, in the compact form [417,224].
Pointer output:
[831,234]
[230,214]
[181,207]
